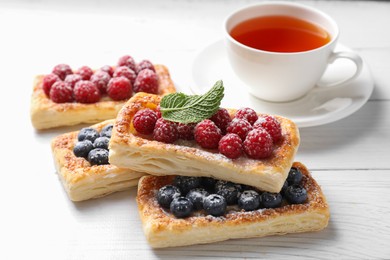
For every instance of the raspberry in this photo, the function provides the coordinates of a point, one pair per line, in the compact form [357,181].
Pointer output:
[158,111]
[271,124]
[144,121]
[48,82]
[62,70]
[145,64]
[186,131]
[125,72]
[101,79]
[108,69]
[60,92]
[85,72]
[231,146]
[207,134]
[248,114]
[221,118]
[146,81]
[238,126]
[72,79]
[128,61]
[119,88]
[86,92]
[165,131]
[258,144]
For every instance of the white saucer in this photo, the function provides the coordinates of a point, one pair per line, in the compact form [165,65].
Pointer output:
[316,108]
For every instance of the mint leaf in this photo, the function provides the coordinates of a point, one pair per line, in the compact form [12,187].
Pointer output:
[182,108]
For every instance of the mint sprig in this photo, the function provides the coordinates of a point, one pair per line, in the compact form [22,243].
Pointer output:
[182,108]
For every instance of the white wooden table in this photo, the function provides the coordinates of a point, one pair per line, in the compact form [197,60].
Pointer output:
[349,158]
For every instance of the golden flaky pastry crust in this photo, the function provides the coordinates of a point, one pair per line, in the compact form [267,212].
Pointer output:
[140,153]
[83,181]
[162,229]
[48,114]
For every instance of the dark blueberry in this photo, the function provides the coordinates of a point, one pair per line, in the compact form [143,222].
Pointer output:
[215,205]
[106,131]
[285,185]
[294,176]
[81,149]
[166,194]
[101,142]
[186,183]
[98,156]
[208,183]
[229,190]
[295,194]
[181,207]
[270,200]
[196,196]
[88,133]
[247,187]
[249,200]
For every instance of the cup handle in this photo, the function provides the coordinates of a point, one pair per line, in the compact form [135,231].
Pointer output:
[342,55]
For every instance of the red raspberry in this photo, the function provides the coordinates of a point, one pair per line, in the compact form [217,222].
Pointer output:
[221,118]
[258,144]
[238,126]
[60,92]
[48,82]
[101,79]
[62,70]
[158,111]
[165,131]
[72,79]
[146,81]
[144,121]
[231,146]
[85,72]
[86,92]
[248,114]
[186,131]
[125,72]
[271,124]
[128,61]
[119,88]
[108,69]
[207,134]
[145,64]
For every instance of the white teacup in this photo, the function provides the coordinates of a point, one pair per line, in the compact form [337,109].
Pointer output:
[285,76]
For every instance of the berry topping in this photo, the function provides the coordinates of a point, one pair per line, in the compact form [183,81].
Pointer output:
[230,145]
[294,176]
[98,156]
[126,72]
[145,64]
[158,111]
[207,134]
[248,114]
[222,119]
[88,133]
[271,124]
[181,207]
[72,79]
[295,194]
[106,131]
[208,183]
[62,70]
[215,205]
[127,61]
[229,190]
[249,200]
[144,121]
[86,92]
[165,131]
[146,81]
[258,144]
[270,200]
[186,183]
[186,131]
[108,69]
[60,92]
[238,126]
[85,72]
[81,149]
[196,196]
[101,142]
[48,82]
[285,185]
[101,79]
[119,88]
[166,194]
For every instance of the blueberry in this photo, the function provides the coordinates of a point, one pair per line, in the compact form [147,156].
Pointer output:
[249,200]
[101,142]
[270,200]
[181,207]
[186,183]
[196,196]
[81,149]
[229,190]
[208,183]
[98,156]
[295,194]
[88,133]
[106,131]
[166,194]
[294,176]
[215,205]
[285,185]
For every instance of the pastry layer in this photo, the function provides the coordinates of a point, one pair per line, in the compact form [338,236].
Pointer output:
[162,229]
[83,181]
[48,114]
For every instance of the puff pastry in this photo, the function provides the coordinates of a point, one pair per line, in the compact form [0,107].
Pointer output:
[48,114]
[130,150]
[162,229]
[83,181]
